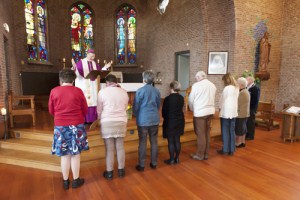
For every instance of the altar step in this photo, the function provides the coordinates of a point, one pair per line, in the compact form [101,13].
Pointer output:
[32,148]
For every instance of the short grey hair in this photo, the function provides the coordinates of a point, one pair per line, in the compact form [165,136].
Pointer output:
[250,79]
[175,85]
[148,77]
[200,75]
[242,82]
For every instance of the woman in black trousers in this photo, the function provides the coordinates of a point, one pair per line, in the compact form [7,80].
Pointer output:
[173,125]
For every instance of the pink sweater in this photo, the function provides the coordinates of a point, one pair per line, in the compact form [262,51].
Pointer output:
[112,104]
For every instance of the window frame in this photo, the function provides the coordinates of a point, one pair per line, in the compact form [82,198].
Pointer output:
[36,36]
[126,64]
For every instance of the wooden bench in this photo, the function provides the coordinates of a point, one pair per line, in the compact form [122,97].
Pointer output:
[265,116]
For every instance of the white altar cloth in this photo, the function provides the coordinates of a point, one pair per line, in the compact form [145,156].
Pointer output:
[129,87]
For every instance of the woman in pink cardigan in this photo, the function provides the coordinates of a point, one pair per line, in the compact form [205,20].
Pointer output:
[111,109]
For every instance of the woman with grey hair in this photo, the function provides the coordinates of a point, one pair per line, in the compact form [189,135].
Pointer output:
[173,125]
[146,109]
[68,106]
[243,113]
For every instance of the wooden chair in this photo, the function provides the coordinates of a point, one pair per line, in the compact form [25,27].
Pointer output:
[186,98]
[265,116]
[20,105]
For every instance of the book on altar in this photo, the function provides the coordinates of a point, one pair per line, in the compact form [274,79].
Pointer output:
[293,110]
[94,73]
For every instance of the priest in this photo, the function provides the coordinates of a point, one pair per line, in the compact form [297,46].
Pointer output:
[89,86]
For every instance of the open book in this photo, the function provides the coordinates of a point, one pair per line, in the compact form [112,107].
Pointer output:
[293,110]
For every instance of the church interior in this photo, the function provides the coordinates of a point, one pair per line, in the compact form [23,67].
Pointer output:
[175,39]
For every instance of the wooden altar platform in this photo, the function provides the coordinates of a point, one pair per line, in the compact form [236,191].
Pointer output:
[31,146]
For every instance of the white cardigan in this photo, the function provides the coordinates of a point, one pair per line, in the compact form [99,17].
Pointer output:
[229,102]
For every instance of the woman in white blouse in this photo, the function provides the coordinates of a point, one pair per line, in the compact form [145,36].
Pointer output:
[228,113]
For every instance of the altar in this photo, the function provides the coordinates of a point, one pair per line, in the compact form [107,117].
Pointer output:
[131,88]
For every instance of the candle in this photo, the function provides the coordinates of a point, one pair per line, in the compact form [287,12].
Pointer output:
[3,111]
[64,59]
[98,61]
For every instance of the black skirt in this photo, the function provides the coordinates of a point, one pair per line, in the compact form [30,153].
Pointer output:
[241,126]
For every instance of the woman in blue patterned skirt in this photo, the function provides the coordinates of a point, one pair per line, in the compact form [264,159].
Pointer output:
[68,106]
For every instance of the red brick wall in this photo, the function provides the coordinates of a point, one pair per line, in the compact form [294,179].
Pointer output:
[12,71]
[214,25]
[289,86]
[191,22]
[248,14]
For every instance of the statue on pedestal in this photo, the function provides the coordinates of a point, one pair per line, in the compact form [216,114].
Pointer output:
[264,57]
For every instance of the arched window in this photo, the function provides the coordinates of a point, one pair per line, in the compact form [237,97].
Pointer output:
[36,29]
[82,36]
[126,35]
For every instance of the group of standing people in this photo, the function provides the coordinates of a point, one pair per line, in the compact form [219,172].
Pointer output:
[237,108]
[72,107]
[238,100]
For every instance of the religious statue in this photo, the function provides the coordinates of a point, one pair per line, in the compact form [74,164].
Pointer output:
[264,56]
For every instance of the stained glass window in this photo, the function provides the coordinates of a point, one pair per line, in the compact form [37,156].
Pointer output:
[36,24]
[82,36]
[126,35]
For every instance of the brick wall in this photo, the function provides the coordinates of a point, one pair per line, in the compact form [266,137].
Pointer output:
[8,68]
[249,14]
[189,25]
[214,25]
[289,87]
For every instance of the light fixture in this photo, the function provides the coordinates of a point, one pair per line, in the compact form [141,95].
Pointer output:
[3,113]
[6,27]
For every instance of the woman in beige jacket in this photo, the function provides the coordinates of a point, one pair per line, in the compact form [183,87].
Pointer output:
[243,113]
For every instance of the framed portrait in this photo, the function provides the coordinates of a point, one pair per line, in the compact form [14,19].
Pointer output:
[217,62]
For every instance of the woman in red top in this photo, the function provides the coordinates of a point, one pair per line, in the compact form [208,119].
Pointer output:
[68,106]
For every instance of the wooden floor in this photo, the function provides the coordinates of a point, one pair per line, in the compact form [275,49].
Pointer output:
[266,169]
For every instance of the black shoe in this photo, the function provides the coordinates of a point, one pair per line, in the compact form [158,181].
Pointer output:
[240,145]
[152,166]
[66,184]
[248,138]
[206,157]
[230,153]
[139,168]
[121,172]
[221,152]
[108,175]
[169,162]
[77,182]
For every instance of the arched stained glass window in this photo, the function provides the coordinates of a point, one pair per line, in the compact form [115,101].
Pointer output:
[126,35]
[82,37]
[36,29]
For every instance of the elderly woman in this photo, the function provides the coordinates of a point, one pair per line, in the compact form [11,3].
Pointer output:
[173,125]
[243,113]
[111,109]
[228,113]
[68,106]
[146,109]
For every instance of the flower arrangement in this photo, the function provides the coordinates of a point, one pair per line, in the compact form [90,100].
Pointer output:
[129,111]
[247,73]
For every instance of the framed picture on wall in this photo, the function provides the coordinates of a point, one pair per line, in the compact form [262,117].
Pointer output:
[217,62]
